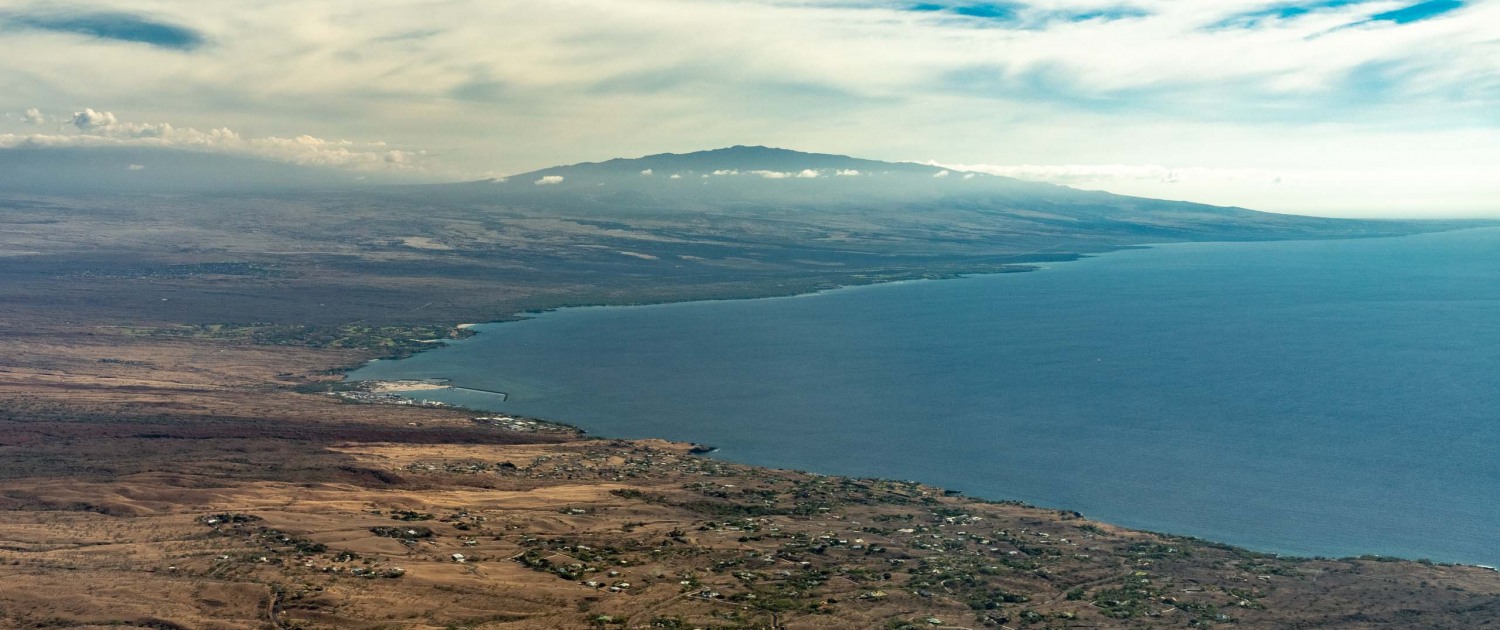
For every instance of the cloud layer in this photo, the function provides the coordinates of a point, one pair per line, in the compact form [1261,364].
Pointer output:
[1291,86]
[91,128]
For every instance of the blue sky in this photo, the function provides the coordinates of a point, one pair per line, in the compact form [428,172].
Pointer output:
[104,25]
[1340,107]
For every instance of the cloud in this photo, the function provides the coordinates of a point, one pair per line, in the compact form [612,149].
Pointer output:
[1347,190]
[847,172]
[34,117]
[803,174]
[90,120]
[861,53]
[95,128]
[940,174]
[1105,174]
[136,167]
[675,176]
[1056,82]
[123,27]
[646,172]
[548,180]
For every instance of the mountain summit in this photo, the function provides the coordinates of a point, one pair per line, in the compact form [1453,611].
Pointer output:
[842,195]
[761,161]
[756,174]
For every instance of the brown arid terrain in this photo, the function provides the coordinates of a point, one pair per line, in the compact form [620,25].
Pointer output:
[171,457]
[154,482]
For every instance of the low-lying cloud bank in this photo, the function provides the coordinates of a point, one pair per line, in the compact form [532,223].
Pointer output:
[1092,173]
[94,128]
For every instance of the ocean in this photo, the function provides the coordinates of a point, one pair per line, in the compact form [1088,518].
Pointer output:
[1325,398]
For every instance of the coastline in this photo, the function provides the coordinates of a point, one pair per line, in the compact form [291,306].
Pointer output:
[476,329]
[468,330]
[173,452]
[704,450]
[1024,263]
[225,489]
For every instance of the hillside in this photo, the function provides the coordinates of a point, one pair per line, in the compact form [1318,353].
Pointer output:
[161,478]
[171,455]
[944,206]
[205,239]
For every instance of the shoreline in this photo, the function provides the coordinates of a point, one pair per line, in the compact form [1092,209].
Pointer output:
[1314,552]
[701,449]
[181,450]
[1350,555]
[313,512]
[1022,265]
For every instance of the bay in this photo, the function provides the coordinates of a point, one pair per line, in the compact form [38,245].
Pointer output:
[1305,397]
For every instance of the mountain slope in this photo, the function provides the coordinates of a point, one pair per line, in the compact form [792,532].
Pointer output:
[740,158]
[721,200]
[891,201]
[604,233]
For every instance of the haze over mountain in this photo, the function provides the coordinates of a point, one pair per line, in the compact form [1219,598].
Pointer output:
[94,170]
[830,201]
[211,213]
[945,205]
[734,222]
[1333,107]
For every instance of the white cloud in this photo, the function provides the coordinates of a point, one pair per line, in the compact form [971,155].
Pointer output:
[1102,173]
[722,172]
[1353,190]
[94,128]
[595,79]
[847,172]
[676,176]
[548,180]
[770,174]
[136,167]
[807,173]
[940,174]
[90,120]
[646,172]
[34,117]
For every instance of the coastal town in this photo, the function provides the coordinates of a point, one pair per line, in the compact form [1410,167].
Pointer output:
[407,393]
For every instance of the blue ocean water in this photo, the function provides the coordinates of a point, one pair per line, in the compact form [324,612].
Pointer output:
[1308,397]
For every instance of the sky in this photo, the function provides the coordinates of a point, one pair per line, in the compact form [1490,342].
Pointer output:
[1328,107]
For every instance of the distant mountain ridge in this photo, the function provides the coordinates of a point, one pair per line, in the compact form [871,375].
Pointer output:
[820,199]
[742,175]
[736,158]
[884,202]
